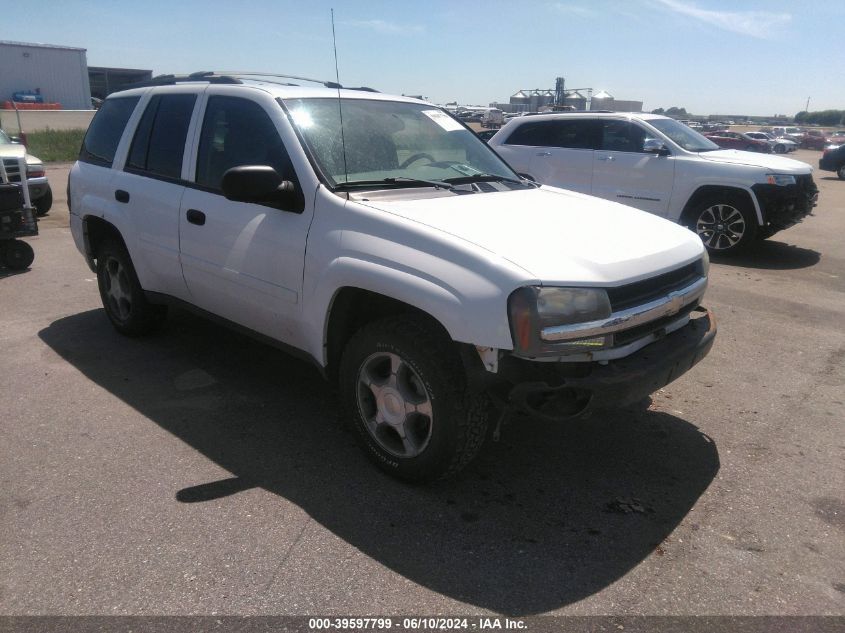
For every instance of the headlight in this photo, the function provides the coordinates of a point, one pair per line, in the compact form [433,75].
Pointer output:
[533,308]
[780,179]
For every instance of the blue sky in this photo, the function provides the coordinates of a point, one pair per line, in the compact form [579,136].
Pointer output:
[710,56]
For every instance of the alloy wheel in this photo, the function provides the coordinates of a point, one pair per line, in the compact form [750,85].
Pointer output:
[118,291]
[720,226]
[394,404]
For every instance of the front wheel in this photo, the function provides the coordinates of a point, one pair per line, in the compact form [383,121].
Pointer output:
[780,149]
[123,298]
[841,172]
[724,224]
[404,391]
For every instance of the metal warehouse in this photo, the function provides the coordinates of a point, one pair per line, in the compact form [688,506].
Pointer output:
[57,74]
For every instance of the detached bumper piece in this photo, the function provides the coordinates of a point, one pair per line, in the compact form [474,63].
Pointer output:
[557,391]
[784,206]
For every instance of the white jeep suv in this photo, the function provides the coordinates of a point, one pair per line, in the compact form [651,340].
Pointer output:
[394,250]
[659,165]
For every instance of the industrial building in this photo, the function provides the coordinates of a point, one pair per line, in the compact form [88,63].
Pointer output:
[540,99]
[52,74]
[48,74]
[105,81]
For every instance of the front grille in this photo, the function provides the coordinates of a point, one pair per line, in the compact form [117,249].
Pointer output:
[13,170]
[806,186]
[627,336]
[640,292]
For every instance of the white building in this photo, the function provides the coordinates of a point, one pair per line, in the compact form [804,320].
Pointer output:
[60,73]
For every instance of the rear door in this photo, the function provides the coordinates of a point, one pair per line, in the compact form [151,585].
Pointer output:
[150,189]
[624,173]
[243,261]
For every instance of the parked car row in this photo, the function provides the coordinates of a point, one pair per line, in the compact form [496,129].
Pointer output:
[807,139]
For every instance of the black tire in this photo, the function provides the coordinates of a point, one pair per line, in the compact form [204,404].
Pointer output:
[841,172]
[17,254]
[780,149]
[44,203]
[123,299]
[734,233]
[449,436]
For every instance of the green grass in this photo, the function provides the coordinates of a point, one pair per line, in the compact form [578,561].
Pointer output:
[55,145]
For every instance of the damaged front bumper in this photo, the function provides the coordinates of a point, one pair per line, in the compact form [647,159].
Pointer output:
[558,391]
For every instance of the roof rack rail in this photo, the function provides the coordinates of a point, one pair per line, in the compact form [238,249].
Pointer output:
[234,77]
[249,74]
[168,80]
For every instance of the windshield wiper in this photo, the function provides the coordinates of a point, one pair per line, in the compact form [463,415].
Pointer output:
[462,180]
[398,181]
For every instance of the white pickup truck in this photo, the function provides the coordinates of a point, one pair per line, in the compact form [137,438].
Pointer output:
[394,250]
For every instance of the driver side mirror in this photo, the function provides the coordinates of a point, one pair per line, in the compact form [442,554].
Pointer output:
[655,146]
[261,184]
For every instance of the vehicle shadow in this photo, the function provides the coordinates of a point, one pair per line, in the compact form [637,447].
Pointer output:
[771,255]
[547,516]
[9,272]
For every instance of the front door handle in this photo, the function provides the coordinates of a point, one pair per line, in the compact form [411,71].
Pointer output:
[606,158]
[195,217]
[544,153]
[121,196]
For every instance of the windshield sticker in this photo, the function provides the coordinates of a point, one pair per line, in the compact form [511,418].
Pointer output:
[443,120]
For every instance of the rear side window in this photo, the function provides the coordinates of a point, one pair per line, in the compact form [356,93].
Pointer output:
[572,134]
[105,131]
[159,143]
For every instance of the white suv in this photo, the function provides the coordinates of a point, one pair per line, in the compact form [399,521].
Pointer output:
[660,165]
[395,251]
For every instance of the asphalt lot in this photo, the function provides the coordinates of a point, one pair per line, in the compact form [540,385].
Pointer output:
[199,472]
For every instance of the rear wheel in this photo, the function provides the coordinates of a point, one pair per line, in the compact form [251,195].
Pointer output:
[724,223]
[17,254]
[404,391]
[123,298]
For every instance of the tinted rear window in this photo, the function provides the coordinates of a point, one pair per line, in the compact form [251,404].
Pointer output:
[159,143]
[105,131]
[573,134]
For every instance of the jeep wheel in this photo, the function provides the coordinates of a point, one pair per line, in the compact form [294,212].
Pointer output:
[123,299]
[404,390]
[44,203]
[724,224]
[17,254]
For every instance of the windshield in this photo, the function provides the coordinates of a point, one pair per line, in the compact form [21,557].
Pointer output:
[687,138]
[392,141]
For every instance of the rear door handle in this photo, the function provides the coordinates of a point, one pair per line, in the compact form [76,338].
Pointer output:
[606,158]
[121,196]
[195,217]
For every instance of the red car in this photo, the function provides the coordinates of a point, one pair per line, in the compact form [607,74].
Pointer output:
[737,140]
[814,139]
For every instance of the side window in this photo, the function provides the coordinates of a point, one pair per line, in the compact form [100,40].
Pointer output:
[571,133]
[622,136]
[159,143]
[237,132]
[534,133]
[105,131]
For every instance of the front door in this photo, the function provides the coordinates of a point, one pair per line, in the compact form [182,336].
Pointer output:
[622,172]
[243,261]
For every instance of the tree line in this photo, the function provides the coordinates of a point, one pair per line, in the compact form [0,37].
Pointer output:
[822,117]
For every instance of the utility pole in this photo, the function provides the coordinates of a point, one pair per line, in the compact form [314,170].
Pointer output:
[807,107]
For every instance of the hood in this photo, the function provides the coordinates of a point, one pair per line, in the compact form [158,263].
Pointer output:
[12,150]
[559,237]
[777,164]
